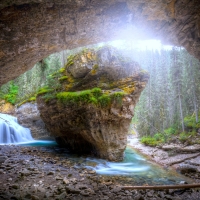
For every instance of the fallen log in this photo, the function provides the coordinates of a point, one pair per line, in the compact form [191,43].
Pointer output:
[160,187]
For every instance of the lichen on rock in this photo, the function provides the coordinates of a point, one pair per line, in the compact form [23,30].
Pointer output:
[92,107]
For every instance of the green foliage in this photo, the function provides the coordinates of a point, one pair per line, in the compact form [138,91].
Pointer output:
[190,122]
[170,131]
[94,96]
[44,90]
[12,93]
[62,70]
[63,78]
[104,100]
[48,96]
[151,141]
[117,97]
[96,92]
[74,97]
[31,99]
[183,137]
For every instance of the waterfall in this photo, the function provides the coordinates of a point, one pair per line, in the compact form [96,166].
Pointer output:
[12,132]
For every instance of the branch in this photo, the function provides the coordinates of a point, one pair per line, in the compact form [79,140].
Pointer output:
[161,187]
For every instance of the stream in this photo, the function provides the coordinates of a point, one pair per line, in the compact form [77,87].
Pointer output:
[134,169]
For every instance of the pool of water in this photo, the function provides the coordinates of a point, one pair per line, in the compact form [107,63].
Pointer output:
[38,143]
[134,169]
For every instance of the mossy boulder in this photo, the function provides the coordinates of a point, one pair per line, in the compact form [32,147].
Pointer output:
[92,107]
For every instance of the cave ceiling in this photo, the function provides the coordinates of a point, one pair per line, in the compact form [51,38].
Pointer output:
[32,29]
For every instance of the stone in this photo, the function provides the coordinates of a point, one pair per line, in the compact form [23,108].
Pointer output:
[34,197]
[72,189]
[24,25]
[66,181]
[51,173]
[62,196]
[28,116]
[186,168]
[3,159]
[98,120]
[15,186]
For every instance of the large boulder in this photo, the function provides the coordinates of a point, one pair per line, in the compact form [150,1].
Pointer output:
[90,109]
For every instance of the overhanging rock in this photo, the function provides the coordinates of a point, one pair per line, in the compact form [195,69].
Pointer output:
[89,104]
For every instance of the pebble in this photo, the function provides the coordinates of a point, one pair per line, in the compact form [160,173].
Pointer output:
[46,182]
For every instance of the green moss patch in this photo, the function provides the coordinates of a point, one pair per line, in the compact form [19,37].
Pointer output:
[95,96]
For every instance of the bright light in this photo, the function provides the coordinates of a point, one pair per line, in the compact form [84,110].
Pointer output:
[141,45]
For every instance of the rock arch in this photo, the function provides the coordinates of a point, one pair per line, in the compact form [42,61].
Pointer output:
[32,29]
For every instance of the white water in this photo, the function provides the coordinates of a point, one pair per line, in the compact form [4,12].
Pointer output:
[11,132]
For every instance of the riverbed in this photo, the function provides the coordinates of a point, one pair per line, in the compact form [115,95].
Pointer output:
[50,172]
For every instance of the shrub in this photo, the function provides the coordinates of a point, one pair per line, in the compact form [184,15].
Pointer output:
[12,93]
[183,137]
[190,122]
[149,141]
[170,131]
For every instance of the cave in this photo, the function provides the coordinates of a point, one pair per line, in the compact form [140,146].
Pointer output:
[32,30]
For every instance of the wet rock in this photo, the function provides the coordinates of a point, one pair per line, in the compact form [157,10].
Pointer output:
[34,197]
[3,159]
[62,196]
[29,116]
[51,173]
[66,181]
[15,186]
[186,168]
[72,189]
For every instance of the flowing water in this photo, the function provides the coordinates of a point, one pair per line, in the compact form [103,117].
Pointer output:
[134,169]
[12,132]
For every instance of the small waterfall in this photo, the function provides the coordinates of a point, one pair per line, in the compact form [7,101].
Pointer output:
[12,132]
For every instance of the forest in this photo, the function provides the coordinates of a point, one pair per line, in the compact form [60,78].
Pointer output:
[168,107]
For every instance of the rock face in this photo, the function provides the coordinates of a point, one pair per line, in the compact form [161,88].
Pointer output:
[29,116]
[32,29]
[92,109]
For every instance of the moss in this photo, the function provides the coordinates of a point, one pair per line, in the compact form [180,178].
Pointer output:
[70,60]
[48,96]
[129,89]
[117,97]
[62,70]
[31,99]
[94,96]
[94,69]
[44,90]
[104,100]
[73,97]
[63,78]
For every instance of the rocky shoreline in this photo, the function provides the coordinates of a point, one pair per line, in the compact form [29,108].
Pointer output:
[184,159]
[41,173]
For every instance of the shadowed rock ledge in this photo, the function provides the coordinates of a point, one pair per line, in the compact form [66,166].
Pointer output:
[89,104]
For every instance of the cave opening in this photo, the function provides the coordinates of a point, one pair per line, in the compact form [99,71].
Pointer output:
[166,115]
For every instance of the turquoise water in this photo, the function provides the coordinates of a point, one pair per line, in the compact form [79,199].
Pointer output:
[39,143]
[134,169]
